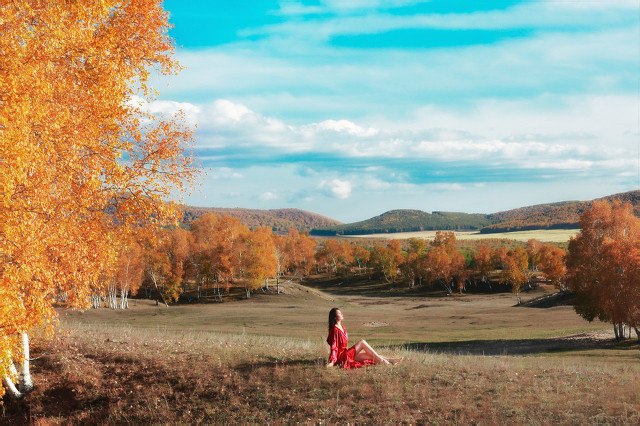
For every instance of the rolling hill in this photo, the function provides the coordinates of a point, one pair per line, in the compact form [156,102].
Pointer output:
[564,215]
[409,221]
[280,220]
[561,215]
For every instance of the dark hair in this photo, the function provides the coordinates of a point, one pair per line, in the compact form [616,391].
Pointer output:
[332,318]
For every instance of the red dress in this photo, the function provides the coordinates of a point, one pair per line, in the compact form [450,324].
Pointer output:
[340,355]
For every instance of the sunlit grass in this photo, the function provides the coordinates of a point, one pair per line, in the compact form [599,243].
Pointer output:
[111,373]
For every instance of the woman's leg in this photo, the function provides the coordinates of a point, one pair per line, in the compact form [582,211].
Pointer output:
[365,352]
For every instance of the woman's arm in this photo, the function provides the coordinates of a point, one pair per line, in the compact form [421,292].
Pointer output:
[333,343]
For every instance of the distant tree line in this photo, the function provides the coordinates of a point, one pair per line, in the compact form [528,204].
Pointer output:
[602,266]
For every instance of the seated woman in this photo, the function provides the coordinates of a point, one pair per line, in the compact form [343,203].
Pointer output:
[357,355]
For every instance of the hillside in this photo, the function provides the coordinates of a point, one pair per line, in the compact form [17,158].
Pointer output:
[409,221]
[280,220]
[563,215]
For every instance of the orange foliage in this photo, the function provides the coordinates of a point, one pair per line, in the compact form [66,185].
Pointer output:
[445,263]
[552,263]
[80,160]
[603,265]
[484,261]
[258,261]
[514,272]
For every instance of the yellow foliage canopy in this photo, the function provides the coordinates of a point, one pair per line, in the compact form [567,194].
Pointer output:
[80,161]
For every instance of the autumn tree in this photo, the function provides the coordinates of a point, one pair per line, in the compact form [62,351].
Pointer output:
[603,266]
[411,265]
[446,264]
[219,241]
[386,259]
[552,264]
[515,270]
[300,252]
[533,252]
[484,262]
[281,257]
[258,260]
[81,160]
[128,270]
[361,256]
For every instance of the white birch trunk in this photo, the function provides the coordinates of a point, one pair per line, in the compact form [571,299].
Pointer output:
[25,384]
[11,388]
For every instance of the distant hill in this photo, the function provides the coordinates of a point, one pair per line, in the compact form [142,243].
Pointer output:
[279,220]
[409,221]
[564,215]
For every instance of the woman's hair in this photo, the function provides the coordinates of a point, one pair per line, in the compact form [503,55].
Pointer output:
[333,313]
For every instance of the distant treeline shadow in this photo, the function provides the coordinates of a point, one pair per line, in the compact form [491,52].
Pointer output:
[514,347]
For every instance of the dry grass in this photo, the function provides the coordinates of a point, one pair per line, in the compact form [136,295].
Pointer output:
[125,375]
[262,361]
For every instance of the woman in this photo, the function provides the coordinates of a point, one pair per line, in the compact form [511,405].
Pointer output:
[357,355]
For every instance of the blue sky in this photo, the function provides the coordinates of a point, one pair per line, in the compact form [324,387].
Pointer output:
[353,108]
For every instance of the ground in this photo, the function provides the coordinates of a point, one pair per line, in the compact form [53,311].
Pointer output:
[475,358]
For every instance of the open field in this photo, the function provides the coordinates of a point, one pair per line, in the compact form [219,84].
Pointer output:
[470,359]
[544,235]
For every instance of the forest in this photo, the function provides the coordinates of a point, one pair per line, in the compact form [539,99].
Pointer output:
[220,253]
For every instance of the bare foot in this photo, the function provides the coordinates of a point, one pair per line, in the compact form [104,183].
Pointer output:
[395,361]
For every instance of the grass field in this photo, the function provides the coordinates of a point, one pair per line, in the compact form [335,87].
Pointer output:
[544,235]
[469,359]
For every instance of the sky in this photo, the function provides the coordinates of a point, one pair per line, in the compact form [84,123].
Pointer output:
[351,108]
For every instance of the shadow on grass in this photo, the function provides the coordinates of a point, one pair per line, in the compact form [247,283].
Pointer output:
[278,363]
[367,285]
[521,346]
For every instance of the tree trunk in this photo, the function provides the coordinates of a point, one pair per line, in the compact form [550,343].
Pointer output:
[618,329]
[248,293]
[25,384]
[11,388]
[637,333]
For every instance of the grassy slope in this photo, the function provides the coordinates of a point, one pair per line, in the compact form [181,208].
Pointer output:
[261,360]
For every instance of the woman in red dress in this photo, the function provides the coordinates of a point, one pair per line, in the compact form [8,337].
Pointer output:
[357,355]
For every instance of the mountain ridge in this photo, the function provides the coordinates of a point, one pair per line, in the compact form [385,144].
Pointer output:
[556,215]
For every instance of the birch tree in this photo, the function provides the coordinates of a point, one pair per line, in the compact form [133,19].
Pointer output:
[80,160]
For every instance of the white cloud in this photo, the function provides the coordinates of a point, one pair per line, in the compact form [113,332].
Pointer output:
[579,134]
[336,188]
[342,126]
[268,196]
[224,173]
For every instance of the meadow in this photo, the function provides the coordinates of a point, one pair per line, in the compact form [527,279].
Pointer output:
[543,235]
[469,359]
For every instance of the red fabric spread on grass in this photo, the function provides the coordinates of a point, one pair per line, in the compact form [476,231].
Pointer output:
[340,355]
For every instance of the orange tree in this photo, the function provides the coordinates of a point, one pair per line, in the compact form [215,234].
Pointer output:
[80,160]
[445,263]
[515,270]
[552,263]
[258,260]
[603,266]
